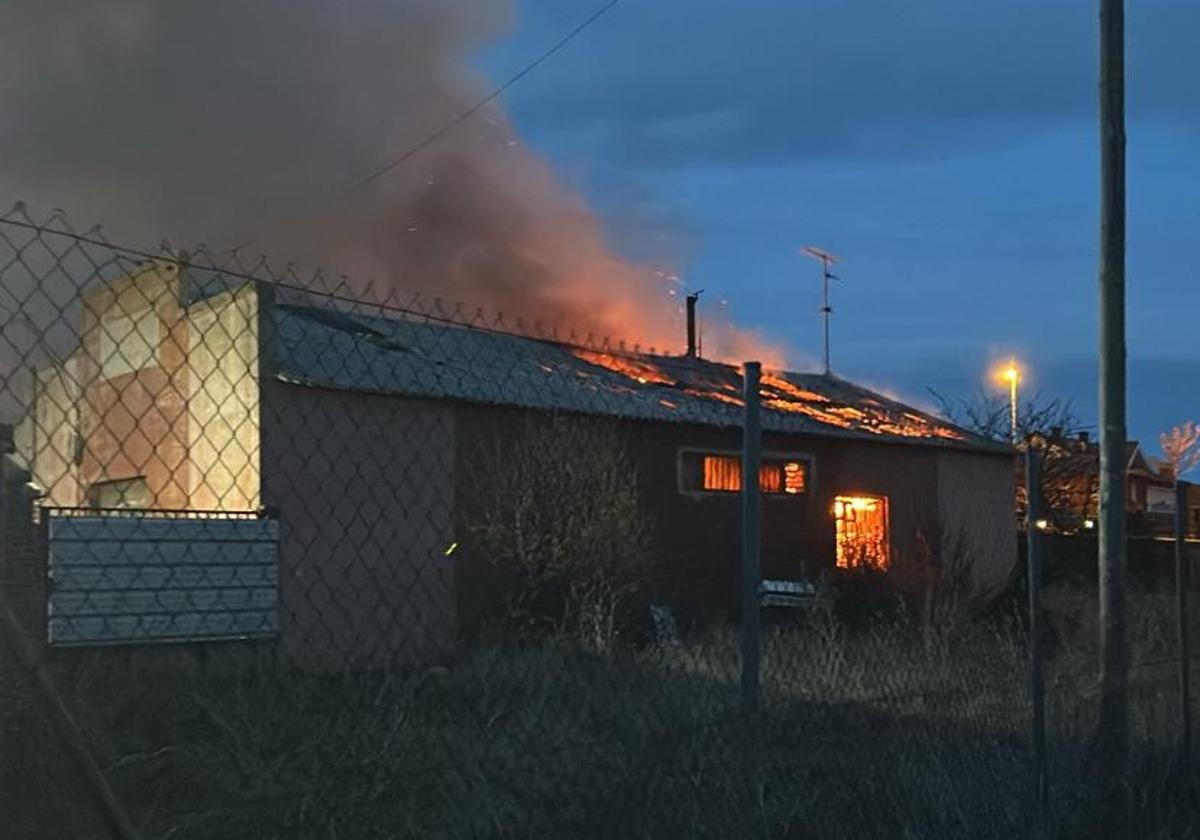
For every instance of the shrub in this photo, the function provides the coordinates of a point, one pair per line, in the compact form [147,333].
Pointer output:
[559,527]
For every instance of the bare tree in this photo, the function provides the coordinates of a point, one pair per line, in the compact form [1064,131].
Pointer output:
[987,414]
[1070,470]
[1181,448]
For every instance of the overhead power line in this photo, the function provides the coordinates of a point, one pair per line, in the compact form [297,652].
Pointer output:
[482,103]
[400,159]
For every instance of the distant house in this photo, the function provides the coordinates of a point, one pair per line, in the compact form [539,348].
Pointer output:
[1071,482]
[358,434]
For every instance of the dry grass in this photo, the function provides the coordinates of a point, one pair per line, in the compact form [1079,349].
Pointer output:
[876,734]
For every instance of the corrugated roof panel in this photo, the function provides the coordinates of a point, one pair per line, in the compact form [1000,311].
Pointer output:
[434,360]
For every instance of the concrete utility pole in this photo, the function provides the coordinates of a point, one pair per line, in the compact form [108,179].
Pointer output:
[1037,682]
[1112,736]
[1182,585]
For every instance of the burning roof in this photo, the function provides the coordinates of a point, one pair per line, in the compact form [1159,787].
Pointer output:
[422,359]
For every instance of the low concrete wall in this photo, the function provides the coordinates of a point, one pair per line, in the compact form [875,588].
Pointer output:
[117,579]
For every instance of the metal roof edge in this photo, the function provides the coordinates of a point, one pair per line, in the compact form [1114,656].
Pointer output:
[983,448]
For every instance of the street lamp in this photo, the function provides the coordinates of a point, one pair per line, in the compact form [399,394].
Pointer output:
[1012,375]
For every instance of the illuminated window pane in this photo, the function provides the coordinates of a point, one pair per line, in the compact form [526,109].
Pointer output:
[724,473]
[862,531]
[125,493]
[770,478]
[793,477]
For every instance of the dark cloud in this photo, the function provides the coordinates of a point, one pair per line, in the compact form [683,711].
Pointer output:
[765,81]
[202,119]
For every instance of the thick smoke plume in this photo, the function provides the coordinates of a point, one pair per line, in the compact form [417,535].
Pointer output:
[225,122]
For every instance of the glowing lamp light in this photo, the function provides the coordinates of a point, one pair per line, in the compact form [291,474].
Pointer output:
[1042,524]
[1089,524]
[1008,373]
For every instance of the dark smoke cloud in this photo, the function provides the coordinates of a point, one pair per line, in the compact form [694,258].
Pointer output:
[207,120]
[225,122]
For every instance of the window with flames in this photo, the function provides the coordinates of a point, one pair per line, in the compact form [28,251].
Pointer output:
[778,476]
[862,532]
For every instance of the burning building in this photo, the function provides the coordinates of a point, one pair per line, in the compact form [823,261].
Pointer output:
[359,434]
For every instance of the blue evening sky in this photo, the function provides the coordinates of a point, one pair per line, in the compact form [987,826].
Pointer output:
[946,150]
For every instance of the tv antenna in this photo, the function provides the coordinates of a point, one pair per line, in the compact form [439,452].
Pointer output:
[827,259]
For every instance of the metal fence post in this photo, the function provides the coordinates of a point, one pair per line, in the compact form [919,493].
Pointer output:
[1182,582]
[751,537]
[1033,509]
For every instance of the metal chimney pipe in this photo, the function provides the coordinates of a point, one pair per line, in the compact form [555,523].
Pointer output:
[691,324]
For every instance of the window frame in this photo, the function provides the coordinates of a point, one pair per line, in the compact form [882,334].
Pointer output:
[690,459]
[889,550]
[95,486]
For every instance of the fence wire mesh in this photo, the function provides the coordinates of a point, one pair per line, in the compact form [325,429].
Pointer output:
[285,557]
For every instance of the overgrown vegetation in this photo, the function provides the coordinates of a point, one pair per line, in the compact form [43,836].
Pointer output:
[875,733]
[899,717]
[559,524]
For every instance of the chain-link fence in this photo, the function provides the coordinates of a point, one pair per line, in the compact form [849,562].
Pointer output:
[281,557]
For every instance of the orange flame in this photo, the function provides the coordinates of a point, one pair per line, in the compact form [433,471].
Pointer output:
[778,393]
[642,372]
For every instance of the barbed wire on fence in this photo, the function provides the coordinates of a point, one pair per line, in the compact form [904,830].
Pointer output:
[335,290]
